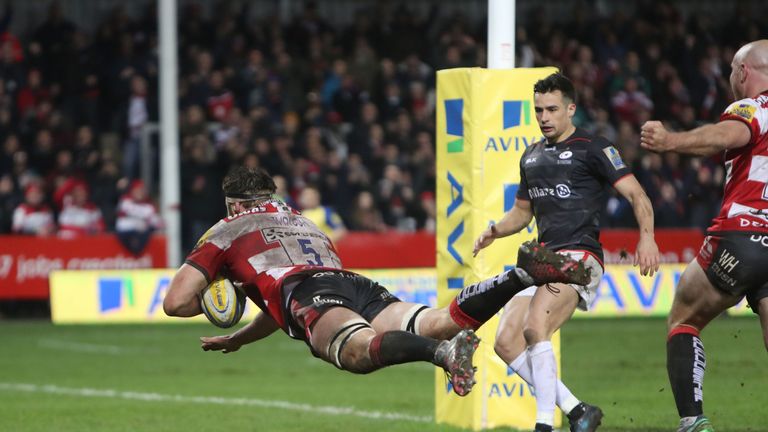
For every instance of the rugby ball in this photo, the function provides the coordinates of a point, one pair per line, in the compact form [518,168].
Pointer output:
[222,303]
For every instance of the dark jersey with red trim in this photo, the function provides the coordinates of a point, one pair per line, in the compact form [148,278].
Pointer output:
[566,183]
[745,200]
[266,249]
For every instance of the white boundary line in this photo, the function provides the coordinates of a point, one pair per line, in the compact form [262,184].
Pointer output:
[159,397]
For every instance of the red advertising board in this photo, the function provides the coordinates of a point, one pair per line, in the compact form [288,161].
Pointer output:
[387,250]
[25,262]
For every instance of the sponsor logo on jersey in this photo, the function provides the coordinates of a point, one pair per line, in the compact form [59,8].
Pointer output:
[751,223]
[272,234]
[539,192]
[745,111]
[454,126]
[614,157]
[530,160]
[560,191]
[566,154]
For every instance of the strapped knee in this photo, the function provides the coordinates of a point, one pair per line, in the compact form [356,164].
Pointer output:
[340,339]
[412,318]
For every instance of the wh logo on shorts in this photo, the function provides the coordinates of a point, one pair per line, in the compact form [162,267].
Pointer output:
[516,113]
[454,125]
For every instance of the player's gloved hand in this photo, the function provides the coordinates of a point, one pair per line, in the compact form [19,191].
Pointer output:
[647,255]
[486,238]
[225,344]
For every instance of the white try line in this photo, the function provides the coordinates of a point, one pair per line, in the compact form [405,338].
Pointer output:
[159,397]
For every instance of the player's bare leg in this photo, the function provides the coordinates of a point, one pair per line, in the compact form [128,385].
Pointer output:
[550,308]
[418,319]
[511,347]
[510,343]
[696,303]
[340,336]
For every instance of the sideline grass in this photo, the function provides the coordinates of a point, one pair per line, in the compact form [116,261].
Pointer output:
[618,364]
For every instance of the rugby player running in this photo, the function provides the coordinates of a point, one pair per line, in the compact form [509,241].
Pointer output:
[289,268]
[731,263]
[563,183]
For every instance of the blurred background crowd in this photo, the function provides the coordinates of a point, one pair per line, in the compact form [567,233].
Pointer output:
[341,113]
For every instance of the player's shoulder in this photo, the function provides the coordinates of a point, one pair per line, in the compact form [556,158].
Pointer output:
[748,108]
[589,141]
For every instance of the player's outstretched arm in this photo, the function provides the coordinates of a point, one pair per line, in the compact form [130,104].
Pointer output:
[647,252]
[703,141]
[513,221]
[261,326]
[182,299]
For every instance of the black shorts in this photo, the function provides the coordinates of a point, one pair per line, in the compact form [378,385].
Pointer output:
[322,291]
[737,264]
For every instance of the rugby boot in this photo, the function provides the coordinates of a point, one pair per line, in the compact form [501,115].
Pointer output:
[543,266]
[701,424]
[585,418]
[541,427]
[455,356]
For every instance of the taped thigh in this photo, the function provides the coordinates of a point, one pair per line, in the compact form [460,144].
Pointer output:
[340,339]
[412,318]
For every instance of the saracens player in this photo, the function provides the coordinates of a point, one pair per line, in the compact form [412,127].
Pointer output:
[732,261]
[563,183]
[290,269]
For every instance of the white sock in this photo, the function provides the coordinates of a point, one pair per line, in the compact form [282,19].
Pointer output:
[565,399]
[544,375]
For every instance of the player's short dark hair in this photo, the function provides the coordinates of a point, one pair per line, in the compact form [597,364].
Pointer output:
[247,181]
[556,81]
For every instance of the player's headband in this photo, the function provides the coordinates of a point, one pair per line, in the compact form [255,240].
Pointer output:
[233,198]
[249,197]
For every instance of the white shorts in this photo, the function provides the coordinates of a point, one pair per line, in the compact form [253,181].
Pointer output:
[586,293]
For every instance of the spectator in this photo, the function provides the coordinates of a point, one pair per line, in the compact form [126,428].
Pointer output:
[323,216]
[79,216]
[33,216]
[366,94]
[137,115]
[137,218]
[366,215]
[10,198]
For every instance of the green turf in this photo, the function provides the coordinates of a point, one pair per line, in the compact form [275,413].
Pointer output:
[618,364]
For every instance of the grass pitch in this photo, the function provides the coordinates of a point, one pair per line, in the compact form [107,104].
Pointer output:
[156,378]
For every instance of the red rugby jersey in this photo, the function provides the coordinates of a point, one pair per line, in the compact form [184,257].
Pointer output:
[263,248]
[745,201]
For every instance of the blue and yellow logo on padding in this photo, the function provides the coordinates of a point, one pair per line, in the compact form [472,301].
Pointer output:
[114,292]
[516,113]
[454,110]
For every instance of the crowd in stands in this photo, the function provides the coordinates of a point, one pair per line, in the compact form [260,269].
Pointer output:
[348,111]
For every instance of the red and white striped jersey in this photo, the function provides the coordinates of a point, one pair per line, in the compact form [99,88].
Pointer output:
[34,220]
[75,220]
[265,249]
[745,201]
